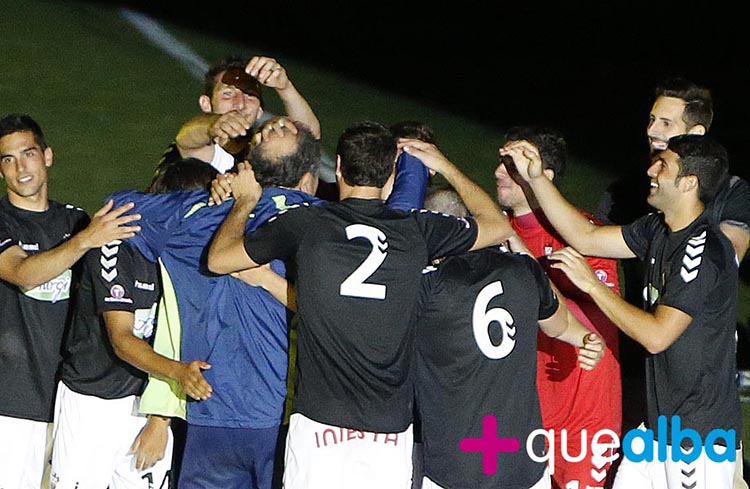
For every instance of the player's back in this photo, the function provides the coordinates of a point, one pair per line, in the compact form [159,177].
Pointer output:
[358,271]
[476,356]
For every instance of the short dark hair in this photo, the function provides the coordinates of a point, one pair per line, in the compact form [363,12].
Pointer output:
[223,64]
[705,158]
[698,103]
[287,170]
[13,123]
[550,142]
[185,174]
[368,154]
[413,130]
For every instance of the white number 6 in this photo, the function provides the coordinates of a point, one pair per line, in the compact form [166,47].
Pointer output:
[482,318]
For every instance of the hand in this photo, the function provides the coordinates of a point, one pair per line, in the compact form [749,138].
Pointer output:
[268,72]
[151,443]
[526,158]
[190,378]
[276,125]
[229,126]
[221,189]
[591,352]
[427,153]
[109,225]
[575,266]
[245,188]
[516,245]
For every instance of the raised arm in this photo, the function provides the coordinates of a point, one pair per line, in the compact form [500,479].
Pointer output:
[576,229]
[270,73]
[197,136]
[227,251]
[29,271]
[493,226]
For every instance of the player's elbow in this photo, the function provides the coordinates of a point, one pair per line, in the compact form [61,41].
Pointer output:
[656,345]
[216,264]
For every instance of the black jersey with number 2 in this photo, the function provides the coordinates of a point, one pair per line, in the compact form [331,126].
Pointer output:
[358,272]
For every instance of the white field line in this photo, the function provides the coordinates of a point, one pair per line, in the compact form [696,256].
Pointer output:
[193,63]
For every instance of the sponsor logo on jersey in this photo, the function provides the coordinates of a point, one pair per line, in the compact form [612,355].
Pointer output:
[57,289]
[144,286]
[143,325]
[30,246]
[3,243]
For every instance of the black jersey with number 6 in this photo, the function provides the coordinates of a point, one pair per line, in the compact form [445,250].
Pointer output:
[358,272]
[476,357]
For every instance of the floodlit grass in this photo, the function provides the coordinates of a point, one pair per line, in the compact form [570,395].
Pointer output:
[109,103]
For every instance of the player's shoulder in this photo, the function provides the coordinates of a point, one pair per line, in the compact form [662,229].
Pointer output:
[707,247]
[295,211]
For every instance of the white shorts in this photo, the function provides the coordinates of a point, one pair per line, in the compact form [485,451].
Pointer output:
[544,483]
[93,439]
[23,446]
[321,456]
[702,473]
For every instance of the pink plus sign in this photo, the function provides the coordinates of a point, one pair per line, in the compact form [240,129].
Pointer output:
[489,444]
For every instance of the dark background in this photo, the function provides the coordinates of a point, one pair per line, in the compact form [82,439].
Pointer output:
[589,70]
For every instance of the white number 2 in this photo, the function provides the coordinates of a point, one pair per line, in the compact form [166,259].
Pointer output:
[354,285]
[482,318]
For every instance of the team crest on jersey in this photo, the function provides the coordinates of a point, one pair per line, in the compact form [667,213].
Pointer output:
[117,294]
[57,289]
[692,258]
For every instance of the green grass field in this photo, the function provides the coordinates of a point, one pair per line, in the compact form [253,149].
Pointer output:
[110,102]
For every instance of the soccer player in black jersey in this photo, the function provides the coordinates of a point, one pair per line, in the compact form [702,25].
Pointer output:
[476,344]
[358,272]
[689,312]
[40,242]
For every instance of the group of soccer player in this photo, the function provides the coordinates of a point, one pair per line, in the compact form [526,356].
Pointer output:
[425,317]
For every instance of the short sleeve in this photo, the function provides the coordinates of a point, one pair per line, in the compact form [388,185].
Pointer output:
[279,237]
[694,277]
[112,276]
[548,301]
[639,234]
[446,235]
[736,209]
[7,240]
